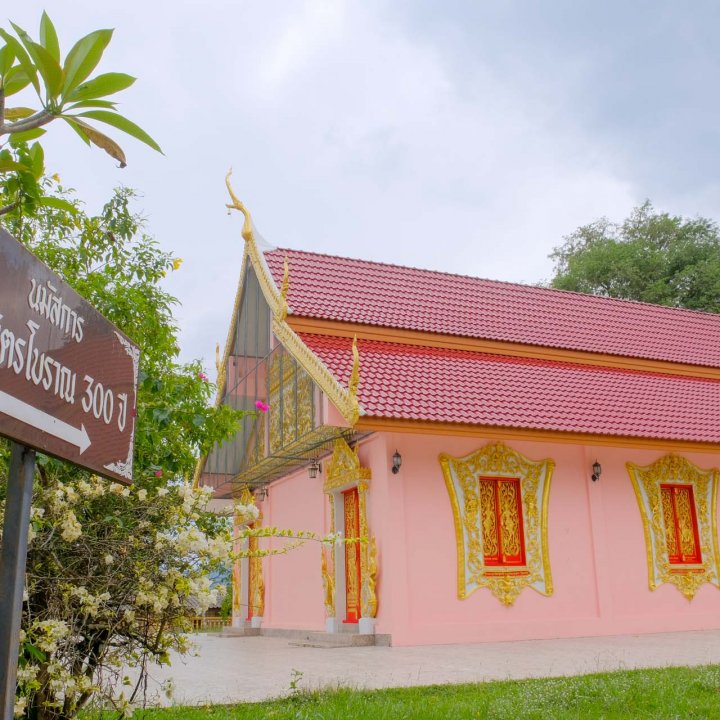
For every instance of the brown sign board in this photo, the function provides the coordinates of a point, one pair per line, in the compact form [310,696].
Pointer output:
[68,377]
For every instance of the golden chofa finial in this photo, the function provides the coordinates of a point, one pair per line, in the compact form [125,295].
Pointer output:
[247,231]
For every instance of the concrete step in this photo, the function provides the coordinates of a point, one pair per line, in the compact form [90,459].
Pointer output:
[311,638]
[240,632]
[333,640]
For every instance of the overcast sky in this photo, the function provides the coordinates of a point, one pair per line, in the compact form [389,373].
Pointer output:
[464,135]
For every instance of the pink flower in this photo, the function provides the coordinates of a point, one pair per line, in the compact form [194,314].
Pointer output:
[202,376]
[158,473]
[260,405]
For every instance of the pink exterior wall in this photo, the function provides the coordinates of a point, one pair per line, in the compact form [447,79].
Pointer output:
[596,543]
[293,582]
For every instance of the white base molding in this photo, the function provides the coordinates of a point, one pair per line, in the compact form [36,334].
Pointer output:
[366,626]
[332,625]
[256,622]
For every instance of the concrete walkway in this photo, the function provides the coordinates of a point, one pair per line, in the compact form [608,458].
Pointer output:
[256,668]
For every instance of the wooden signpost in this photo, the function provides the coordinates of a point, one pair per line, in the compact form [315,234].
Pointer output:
[68,384]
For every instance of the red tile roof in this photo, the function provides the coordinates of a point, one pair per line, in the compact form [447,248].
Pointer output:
[358,291]
[457,386]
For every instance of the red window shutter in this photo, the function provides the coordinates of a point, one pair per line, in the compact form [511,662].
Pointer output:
[502,522]
[681,528]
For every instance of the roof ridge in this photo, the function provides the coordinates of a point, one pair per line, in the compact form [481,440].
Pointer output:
[523,286]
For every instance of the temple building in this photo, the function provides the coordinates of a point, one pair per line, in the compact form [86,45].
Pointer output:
[518,462]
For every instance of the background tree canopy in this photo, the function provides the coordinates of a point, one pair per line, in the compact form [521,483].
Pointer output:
[652,257]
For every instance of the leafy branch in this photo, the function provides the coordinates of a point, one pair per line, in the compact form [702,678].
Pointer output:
[65,91]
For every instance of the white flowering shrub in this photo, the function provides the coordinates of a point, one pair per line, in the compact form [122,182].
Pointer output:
[112,575]
[112,570]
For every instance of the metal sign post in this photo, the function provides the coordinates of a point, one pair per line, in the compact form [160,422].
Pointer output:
[12,569]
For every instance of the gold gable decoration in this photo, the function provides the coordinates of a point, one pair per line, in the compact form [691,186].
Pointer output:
[344,468]
[462,480]
[344,399]
[687,578]
[276,298]
[344,471]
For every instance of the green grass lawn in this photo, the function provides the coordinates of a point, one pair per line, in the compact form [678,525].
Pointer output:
[682,693]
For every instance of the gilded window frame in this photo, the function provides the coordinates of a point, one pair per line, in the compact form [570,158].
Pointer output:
[462,481]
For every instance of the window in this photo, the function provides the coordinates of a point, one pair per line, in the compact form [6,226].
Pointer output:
[502,522]
[681,528]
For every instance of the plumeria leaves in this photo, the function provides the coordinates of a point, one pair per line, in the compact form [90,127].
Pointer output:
[83,58]
[48,37]
[18,113]
[101,86]
[122,123]
[66,90]
[102,141]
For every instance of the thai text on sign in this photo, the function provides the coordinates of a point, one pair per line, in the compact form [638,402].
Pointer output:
[68,377]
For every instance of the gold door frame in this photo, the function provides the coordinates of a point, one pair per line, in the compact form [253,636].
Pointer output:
[344,472]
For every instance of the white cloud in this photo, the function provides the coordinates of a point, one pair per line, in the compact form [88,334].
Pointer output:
[348,135]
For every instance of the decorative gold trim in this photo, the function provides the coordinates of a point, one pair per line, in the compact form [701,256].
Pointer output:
[236,585]
[276,298]
[330,609]
[369,594]
[461,479]
[328,584]
[646,483]
[344,470]
[354,381]
[346,404]
[284,288]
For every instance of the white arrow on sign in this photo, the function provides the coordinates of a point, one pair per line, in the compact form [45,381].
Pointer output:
[42,421]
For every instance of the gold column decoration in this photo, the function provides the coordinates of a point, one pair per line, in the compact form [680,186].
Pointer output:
[369,596]
[462,478]
[256,589]
[330,587]
[647,481]
[236,572]
[328,584]
[343,472]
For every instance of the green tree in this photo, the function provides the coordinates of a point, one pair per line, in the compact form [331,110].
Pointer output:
[65,91]
[113,571]
[652,257]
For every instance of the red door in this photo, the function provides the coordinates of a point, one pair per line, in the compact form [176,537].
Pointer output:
[352,556]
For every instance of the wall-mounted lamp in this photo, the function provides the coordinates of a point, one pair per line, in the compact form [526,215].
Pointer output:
[596,471]
[397,462]
[262,493]
[314,468]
